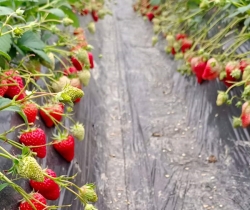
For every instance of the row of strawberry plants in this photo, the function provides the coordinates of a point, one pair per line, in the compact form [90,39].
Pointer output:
[31,70]
[206,36]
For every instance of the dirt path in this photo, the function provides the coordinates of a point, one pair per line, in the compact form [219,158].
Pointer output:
[152,130]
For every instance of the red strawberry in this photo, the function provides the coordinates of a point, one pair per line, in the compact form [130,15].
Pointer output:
[3,88]
[84,12]
[77,64]
[233,73]
[243,64]
[212,70]
[173,51]
[186,44]
[48,188]
[70,70]
[65,145]
[91,60]
[180,36]
[51,114]
[41,205]
[13,77]
[34,137]
[95,15]
[30,110]
[245,114]
[198,65]
[150,16]
[155,7]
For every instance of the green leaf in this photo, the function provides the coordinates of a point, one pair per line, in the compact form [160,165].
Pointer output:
[5,11]
[5,55]
[247,22]
[57,12]
[155,2]
[71,15]
[30,40]
[42,55]
[5,43]
[2,186]
[4,101]
[244,9]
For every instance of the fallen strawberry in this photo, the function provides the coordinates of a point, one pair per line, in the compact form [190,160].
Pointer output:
[48,188]
[30,110]
[34,137]
[245,114]
[37,200]
[51,114]
[65,145]
[212,69]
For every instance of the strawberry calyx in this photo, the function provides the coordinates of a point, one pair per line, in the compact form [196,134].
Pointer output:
[60,136]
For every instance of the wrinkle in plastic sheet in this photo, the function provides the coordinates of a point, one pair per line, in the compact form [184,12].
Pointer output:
[149,131]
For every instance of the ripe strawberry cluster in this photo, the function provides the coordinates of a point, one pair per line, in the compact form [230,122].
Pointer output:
[203,65]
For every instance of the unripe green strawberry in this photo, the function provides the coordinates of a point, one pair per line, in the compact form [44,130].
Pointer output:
[84,77]
[60,84]
[91,27]
[78,131]
[89,207]
[52,58]
[221,98]
[67,21]
[73,92]
[237,122]
[101,13]
[82,56]
[156,21]
[154,40]
[88,193]
[29,168]
[156,29]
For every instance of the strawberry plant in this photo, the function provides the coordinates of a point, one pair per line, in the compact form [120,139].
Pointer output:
[206,36]
[27,29]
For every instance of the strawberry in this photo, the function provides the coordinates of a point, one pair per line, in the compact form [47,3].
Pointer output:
[48,188]
[17,89]
[150,16]
[34,137]
[233,73]
[27,167]
[84,12]
[75,82]
[212,69]
[78,131]
[69,71]
[243,64]
[245,114]
[58,85]
[30,110]
[34,67]
[186,44]
[3,87]
[73,92]
[180,36]
[77,64]
[173,52]
[95,15]
[51,114]
[78,31]
[198,65]
[82,56]
[91,27]
[64,144]
[37,200]
[91,60]
[88,193]
[155,7]
[89,207]
[84,77]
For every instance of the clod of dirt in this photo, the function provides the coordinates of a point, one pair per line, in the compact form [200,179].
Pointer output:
[212,159]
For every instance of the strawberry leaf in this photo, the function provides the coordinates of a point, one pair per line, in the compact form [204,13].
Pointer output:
[30,40]
[57,12]
[5,11]
[71,15]
[2,186]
